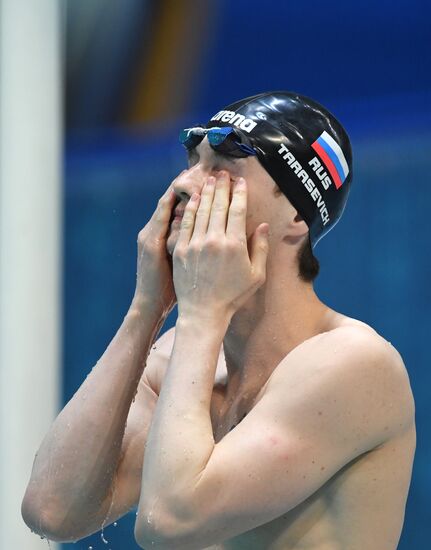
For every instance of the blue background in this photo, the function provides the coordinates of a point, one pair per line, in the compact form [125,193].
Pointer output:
[370,64]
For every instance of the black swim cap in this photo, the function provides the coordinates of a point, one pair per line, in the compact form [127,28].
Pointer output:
[304,149]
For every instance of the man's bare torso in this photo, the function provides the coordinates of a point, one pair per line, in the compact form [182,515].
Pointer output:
[362,506]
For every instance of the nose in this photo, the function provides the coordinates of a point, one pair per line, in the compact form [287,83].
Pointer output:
[189,181]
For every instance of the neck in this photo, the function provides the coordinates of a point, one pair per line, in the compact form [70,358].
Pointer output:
[283,313]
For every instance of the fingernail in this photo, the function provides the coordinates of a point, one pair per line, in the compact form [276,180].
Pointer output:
[240,181]
[194,197]
[211,180]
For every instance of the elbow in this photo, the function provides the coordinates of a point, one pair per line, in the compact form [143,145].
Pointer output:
[150,535]
[40,521]
[156,540]
[164,532]
[142,538]
[149,538]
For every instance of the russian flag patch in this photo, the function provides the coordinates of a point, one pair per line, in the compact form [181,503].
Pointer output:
[333,158]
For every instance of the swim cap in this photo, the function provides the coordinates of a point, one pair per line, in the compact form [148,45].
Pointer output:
[303,148]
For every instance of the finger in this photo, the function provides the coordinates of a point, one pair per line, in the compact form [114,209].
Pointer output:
[204,210]
[188,221]
[162,214]
[237,217]
[220,205]
[259,251]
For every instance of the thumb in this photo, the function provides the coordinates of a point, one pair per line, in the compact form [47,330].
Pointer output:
[259,250]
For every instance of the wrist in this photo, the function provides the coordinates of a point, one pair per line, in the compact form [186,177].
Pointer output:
[147,310]
[204,322]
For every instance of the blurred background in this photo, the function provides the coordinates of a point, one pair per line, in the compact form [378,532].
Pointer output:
[129,74]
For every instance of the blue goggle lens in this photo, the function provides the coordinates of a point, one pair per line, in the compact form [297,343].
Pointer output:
[216,136]
[191,137]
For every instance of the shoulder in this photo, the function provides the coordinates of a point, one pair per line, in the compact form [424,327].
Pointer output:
[353,347]
[354,376]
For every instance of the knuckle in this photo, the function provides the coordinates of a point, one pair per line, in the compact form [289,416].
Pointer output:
[220,206]
[212,242]
[179,252]
[166,197]
[260,277]
[141,237]
[186,223]
[195,246]
[150,250]
[192,204]
[237,211]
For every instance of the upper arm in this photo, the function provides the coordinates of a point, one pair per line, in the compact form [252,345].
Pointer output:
[127,481]
[328,402]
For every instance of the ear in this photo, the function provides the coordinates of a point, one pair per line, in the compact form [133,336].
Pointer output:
[297,228]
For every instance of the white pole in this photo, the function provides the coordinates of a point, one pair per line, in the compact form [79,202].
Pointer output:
[30,237]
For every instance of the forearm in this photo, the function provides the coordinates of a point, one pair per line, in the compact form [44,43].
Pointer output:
[181,439]
[75,465]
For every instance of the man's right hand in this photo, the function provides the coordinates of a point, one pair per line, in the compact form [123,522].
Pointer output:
[154,283]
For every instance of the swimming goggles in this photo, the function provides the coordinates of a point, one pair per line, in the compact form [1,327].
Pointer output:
[226,140]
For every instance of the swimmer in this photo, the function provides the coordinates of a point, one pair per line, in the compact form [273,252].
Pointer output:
[264,419]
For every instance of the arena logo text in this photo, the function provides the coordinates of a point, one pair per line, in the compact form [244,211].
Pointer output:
[245,124]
